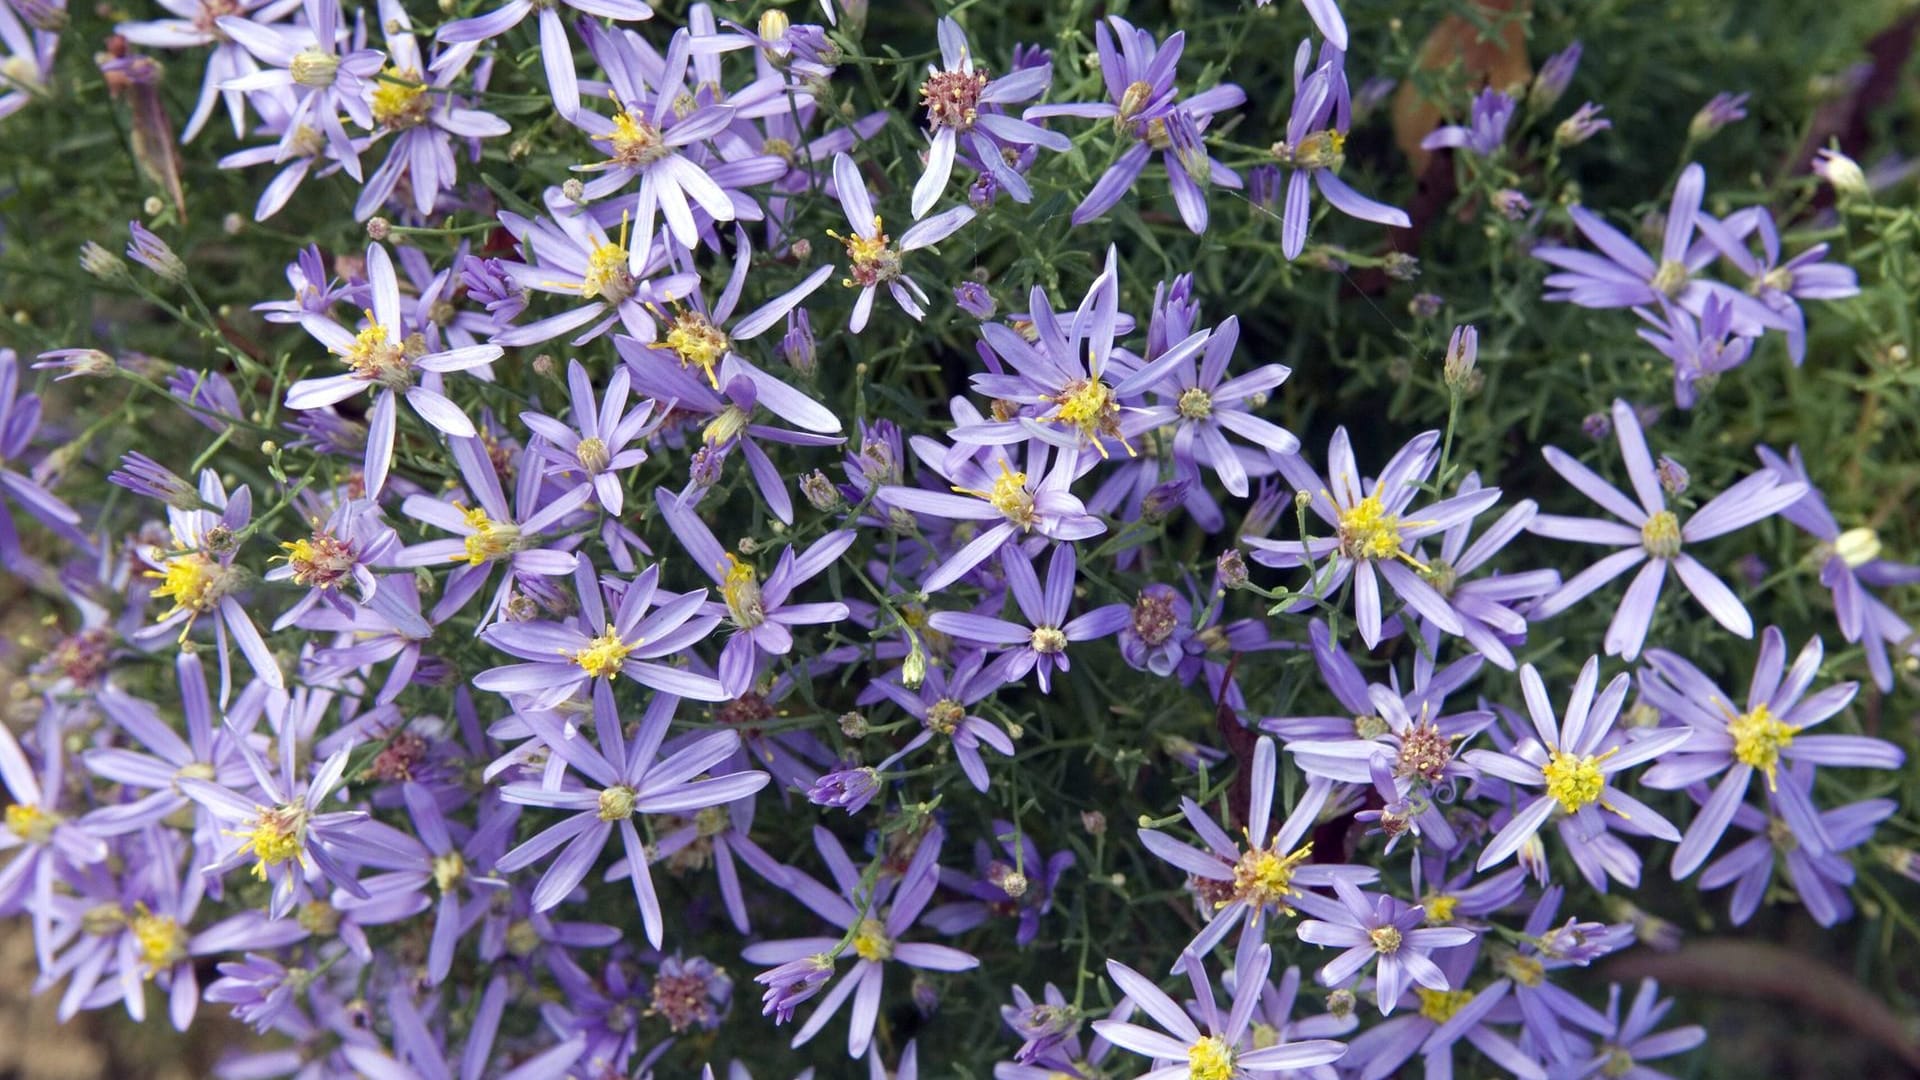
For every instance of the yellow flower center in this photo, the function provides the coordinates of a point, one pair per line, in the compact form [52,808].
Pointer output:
[727,424]
[604,655]
[1440,1006]
[1264,878]
[944,716]
[1133,99]
[1524,970]
[1386,939]
[1440,908]
[1574,780]
[311,67]
[742,592]
[592,455]
[1367,531]
[1009,496]
[193,581]
[1048,640]
[159,940]
[490,539]
[1661,535]
[1619,1062]
[873,258]
[871,941]
[1857,547]
[1317,150]
[634,140]
[607,277]
[375,359]
[697,342]
[1195,404]
[449,870]
[30,823]
[276,836]
[1089,405]
[1263,1035]
[1210,1059]
[616,803]
[1671,278]
[1758,739]
[401,103]
[322,561]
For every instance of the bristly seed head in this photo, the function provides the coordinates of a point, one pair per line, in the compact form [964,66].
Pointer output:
[952,98]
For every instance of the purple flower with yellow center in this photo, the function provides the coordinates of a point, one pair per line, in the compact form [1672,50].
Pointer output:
[164,756]
[1652,534]
[52,840]
[491,532]
[873,916]
[873,258]
[196,23]
[595,648]
[1015,882]
[411,102]
[1488,606]
[340,552]
[324,82]
[962,102]
[1316,147]
[572,255]
[1245,884]
[1064,373]
[985,487]
[698,336]
[1851,562]
[648,137]
[1701,350]
[762,617]
[19,422]
[1735,742]
[1485,131]
[606,438]
[1381,930]
[1629,1041]
[617,780]
[1779,285]
[1212,1053]
[556,52]
[1624,275]
[943,704]
[1820,878]
[382,356]
[196,572]
[1570,767]
[1042,641]
[1373,533]
[1144,107]
[1206,406]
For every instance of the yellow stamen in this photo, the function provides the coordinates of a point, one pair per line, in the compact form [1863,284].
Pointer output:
[1264,878]
[1758,739]
[604,655]
[1440,1006]
[1574,780]
[158,939]
[741,589]
[1009,496]
[871,941]
[1210,1059]
[490,539]
[402,103]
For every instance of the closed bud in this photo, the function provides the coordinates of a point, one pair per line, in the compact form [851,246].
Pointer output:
[1094,822]
[544,366]
[1673,475]
[820,492]
[1231,569]
[774,24]
[802,249]
[574,190]
[379,228]
[1842,172]
[311,67]
[1340,1004]
[102,263]
[914,671]
[797,347]
[1401,266]
[1463,350]
[853,725]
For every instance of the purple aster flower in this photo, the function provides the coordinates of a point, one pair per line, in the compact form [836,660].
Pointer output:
[19,422]
[1244,885]
[1584,124]
[606,438]
[1440,1021]
[1631,1040]
[379,356]
[1214,1053]
[148,478]
[965,102]
[942,705]
[1553,78]
[411,102]
[491,532]
[1485,131]
[197,573]
[1567,762]
[874,259]
[164,756]
[1156,637]
[1850,563]
[1042,641]
[715,836]
[874,916]
[1624,275]
[1052,1031]
[307,60]
[1737,743]
[1488,607]
[699,337]
[1806,276]
[1373,533]
[1326,19]
[195,23]
[973,298]
[207,396]
[556,52]
[1719,111]
[315,290]
[1652,534]
[1206,406]
[622,778]
[1015,882]
[1381,930]
[1701,351]
[1543,948]
[1144,106]
[1819,878]
[33,820]
[570,255]
[1315,148]
[631,642]
[340,552]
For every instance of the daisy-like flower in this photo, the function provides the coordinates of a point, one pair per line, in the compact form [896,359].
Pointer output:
[1821,879]
[1245,884]
[942,706]
[383,356]
[1206,406]
[699,337]
[1631,1040]
[1144,106]
[1568,764]
[556,52]
[961,102]
[196,23]
[1701,350]
[1486,128]
[1213,1053]
[1373,533]
[605,439]
[874,259]
[619,779]
[1041,643]
[33,821]
[595,648]
[28,63]
[307,59]
[1770,730]
[762,618]
[1489,607]
[1316,147]
[1779,285]
[342,551]
[197,574]
[570,254]
[874,917]
[1380,930]
[1851,562]
[1652,534]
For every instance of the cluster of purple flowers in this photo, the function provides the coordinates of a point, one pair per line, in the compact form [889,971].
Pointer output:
[396,834]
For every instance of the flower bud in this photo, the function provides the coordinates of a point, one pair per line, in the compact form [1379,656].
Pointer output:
[1673,475]
[1424,305]
[1463,350]
[1510,204]
[820,492]
[1094,822]
[379,228]
[102,263]
[311,67]
[1842,172]
[974,299]
[153,253]
[798,347]
[1231,569]
[914,671]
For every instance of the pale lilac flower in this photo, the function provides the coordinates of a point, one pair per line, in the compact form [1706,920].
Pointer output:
[572,255]
[962,101]
[1553,78]
[1042,641]
[379,357]
[341,551]
[196,572]
[556,52]
[1701,350]
[1206,405]
[700,337]
[1567,761]
[28,62]
[1214,1053]
[1652,534]
[874,259]
[1485,131]
[942,706]
[52,840]
[605,439]
[1806,276]
[1821,879]
[1315,148]
[1490,607]
[195,24]
[1381,930]
[1722,109]
[307,60]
